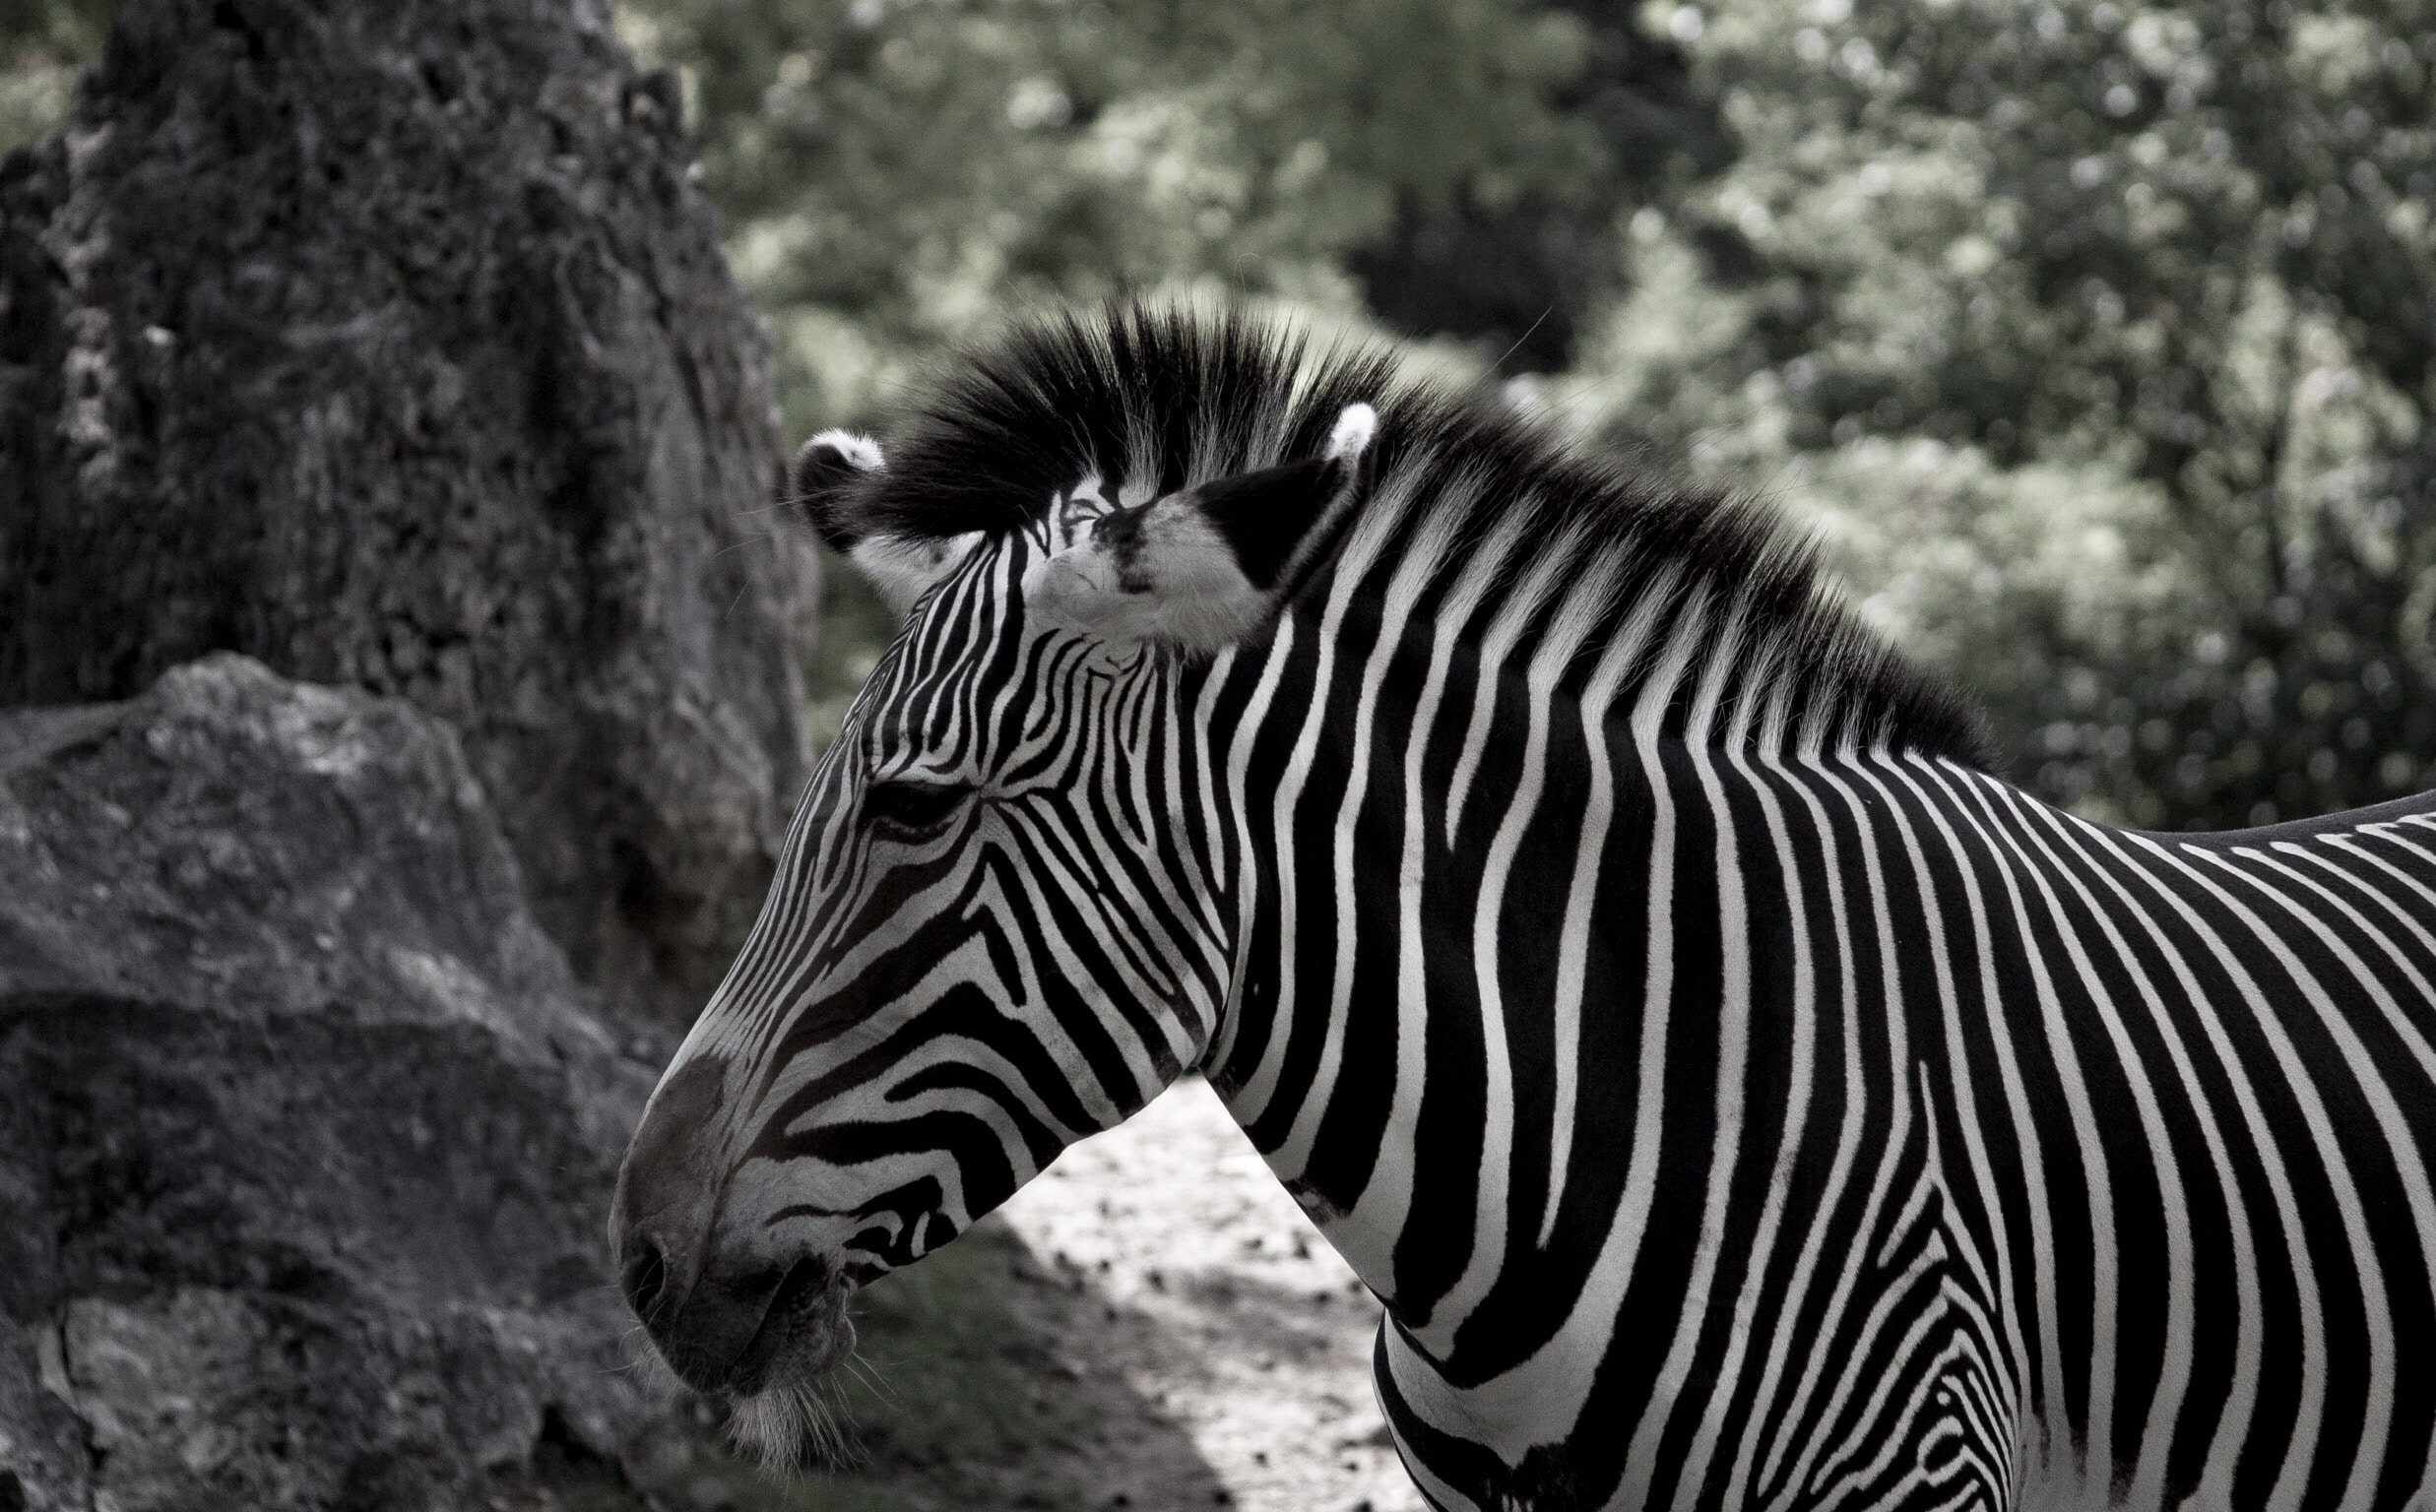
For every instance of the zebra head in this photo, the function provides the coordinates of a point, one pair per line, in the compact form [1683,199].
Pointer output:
[986,939]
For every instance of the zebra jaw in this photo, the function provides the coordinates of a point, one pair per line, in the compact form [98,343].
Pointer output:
[1199,570]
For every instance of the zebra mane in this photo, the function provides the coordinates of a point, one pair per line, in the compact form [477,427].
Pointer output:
[1152,398]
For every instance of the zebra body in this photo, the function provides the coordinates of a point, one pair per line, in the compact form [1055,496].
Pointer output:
[1737,1097]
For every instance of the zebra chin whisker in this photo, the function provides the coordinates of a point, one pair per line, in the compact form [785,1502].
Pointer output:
[868,1371]
[643,1359]
[796,1426]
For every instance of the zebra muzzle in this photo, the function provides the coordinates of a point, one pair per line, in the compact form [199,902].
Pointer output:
[735,1334]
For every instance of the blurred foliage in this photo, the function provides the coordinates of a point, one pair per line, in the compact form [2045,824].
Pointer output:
[2098,337]
[898,172]
[45,44]
[2097,340]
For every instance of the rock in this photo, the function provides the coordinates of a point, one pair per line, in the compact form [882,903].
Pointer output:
[390,343]
[306,1132]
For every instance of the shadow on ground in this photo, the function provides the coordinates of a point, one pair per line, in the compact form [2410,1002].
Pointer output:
[985,1391]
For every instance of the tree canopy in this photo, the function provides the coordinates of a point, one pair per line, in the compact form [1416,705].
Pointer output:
[2099,337]
[897,174]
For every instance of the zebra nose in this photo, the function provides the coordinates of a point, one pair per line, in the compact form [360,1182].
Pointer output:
[645,1275]
[701,1292]
[743,1319]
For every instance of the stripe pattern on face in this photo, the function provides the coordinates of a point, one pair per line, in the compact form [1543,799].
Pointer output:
[1738,1095]
[947,988]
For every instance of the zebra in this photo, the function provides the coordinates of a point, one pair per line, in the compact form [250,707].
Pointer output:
[1736,1094]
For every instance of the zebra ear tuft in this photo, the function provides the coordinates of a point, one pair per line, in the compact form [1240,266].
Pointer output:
[827,473]
[1352,436]
[1201,569]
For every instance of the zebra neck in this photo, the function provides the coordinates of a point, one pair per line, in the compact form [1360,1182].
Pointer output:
[1500,1039]
[1474,1023]
[1447,946]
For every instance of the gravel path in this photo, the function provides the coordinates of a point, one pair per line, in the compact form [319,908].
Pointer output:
[1222,1310]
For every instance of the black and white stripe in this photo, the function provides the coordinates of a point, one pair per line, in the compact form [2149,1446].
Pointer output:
[1738,1095]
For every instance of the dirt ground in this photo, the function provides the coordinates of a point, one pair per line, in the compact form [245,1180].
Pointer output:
[1223,1309]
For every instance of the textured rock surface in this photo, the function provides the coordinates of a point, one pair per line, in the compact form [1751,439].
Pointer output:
[388,342]
[306,1134]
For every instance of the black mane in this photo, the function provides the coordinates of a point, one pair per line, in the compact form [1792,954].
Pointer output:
[1166,396]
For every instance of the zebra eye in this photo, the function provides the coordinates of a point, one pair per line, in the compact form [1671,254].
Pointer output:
[911,809]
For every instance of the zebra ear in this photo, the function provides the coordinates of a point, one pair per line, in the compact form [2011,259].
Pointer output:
[829,476]
[1201,569]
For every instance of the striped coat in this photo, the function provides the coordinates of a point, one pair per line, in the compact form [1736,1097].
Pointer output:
[1738,1095]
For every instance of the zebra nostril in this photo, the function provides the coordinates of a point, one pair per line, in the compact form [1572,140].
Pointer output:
[646,1275]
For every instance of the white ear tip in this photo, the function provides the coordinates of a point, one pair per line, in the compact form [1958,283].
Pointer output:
[860,451]
[1353,432]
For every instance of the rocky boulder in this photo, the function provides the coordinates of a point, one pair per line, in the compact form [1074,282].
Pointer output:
[306,1132]
[390,343]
